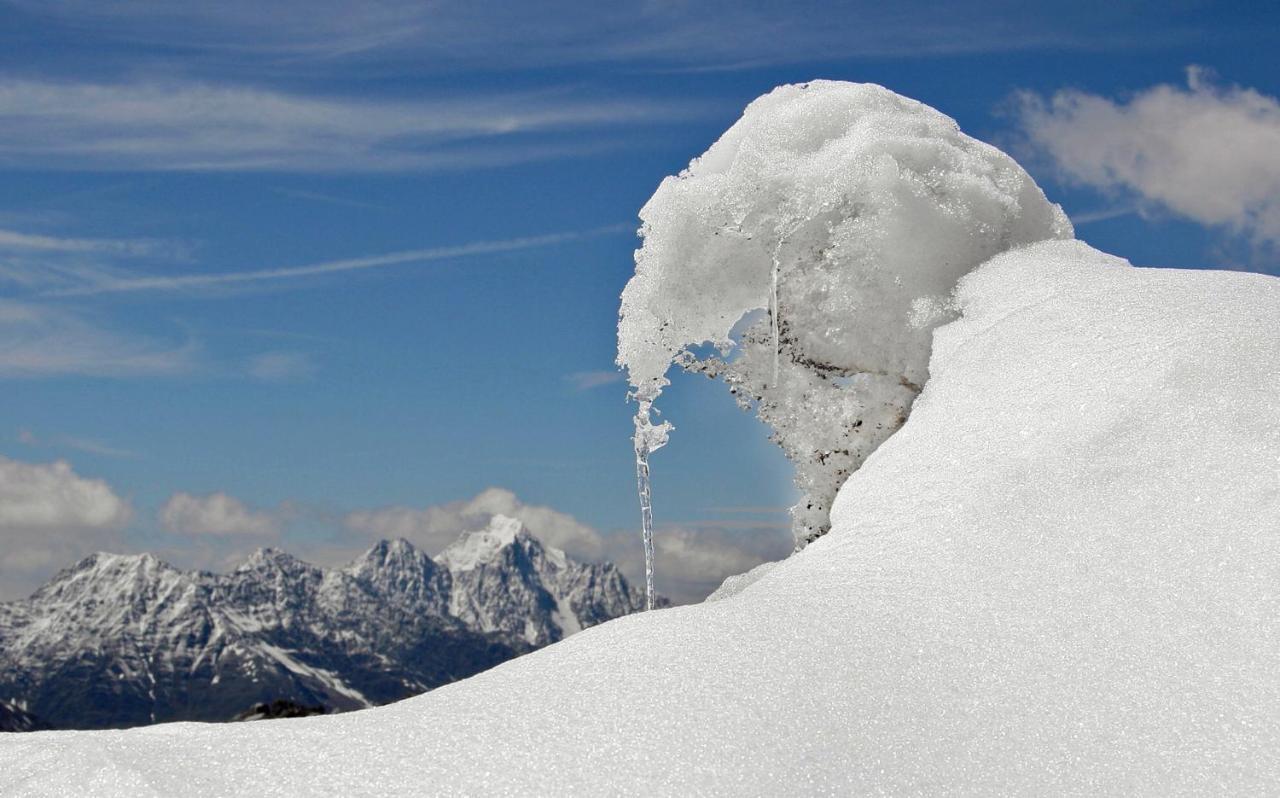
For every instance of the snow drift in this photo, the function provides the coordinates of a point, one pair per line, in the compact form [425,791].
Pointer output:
[1062,575]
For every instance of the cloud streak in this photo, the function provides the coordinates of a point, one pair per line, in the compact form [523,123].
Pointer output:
[185,282]
[587,380]
[86,445]
[14,240]
[176,126]
[491,34]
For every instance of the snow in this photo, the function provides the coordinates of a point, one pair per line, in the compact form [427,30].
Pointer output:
[847,212]
[1061,575]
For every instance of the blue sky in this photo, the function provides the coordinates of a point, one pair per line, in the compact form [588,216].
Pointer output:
[333,258]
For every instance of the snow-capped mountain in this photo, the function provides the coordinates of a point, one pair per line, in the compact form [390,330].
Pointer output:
[506,581]
[121,640]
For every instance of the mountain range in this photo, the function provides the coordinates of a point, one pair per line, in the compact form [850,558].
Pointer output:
[125,640]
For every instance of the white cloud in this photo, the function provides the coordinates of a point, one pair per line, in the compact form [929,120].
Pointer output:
[38,340]
[49,517]
[203,127]
[433,528]
[216,514]
[53,496]
[1205,152]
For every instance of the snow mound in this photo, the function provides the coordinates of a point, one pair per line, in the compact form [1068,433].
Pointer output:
[1061,576]
[846,212]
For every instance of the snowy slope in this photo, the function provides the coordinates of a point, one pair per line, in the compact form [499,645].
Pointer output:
[125,640]
[1061,575]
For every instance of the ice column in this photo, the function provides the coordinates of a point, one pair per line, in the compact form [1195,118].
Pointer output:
[649,438]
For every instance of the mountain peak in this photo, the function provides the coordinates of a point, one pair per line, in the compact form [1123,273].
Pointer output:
[273,559]
[473,549]
[396,549]
[398,554]
[108,560]
[104,566]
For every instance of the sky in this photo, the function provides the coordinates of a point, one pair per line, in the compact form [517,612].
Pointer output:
[310,274]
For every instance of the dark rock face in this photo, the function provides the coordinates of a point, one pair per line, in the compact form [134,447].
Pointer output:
[14,719]
[279,709]
[118,641]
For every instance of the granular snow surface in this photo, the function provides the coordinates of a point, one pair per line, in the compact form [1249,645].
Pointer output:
[1061,576]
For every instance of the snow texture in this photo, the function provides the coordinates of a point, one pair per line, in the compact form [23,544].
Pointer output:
[847,212]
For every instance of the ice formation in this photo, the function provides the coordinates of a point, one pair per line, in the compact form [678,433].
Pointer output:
[847,213]
[648,438]
[1058,578]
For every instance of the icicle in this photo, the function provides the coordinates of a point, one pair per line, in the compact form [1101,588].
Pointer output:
[648,438]
[646,523]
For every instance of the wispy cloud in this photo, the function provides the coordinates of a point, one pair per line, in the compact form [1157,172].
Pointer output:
[86,445]
[91,446]
[586,380]
[38,340]
[711,34]
[328,199]
[231,279]
[281,366]
[1103,214]
[210,127]
[42,261]
[1204,152]
[14,240]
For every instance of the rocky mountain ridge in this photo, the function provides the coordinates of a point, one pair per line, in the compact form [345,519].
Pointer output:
[124,640]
